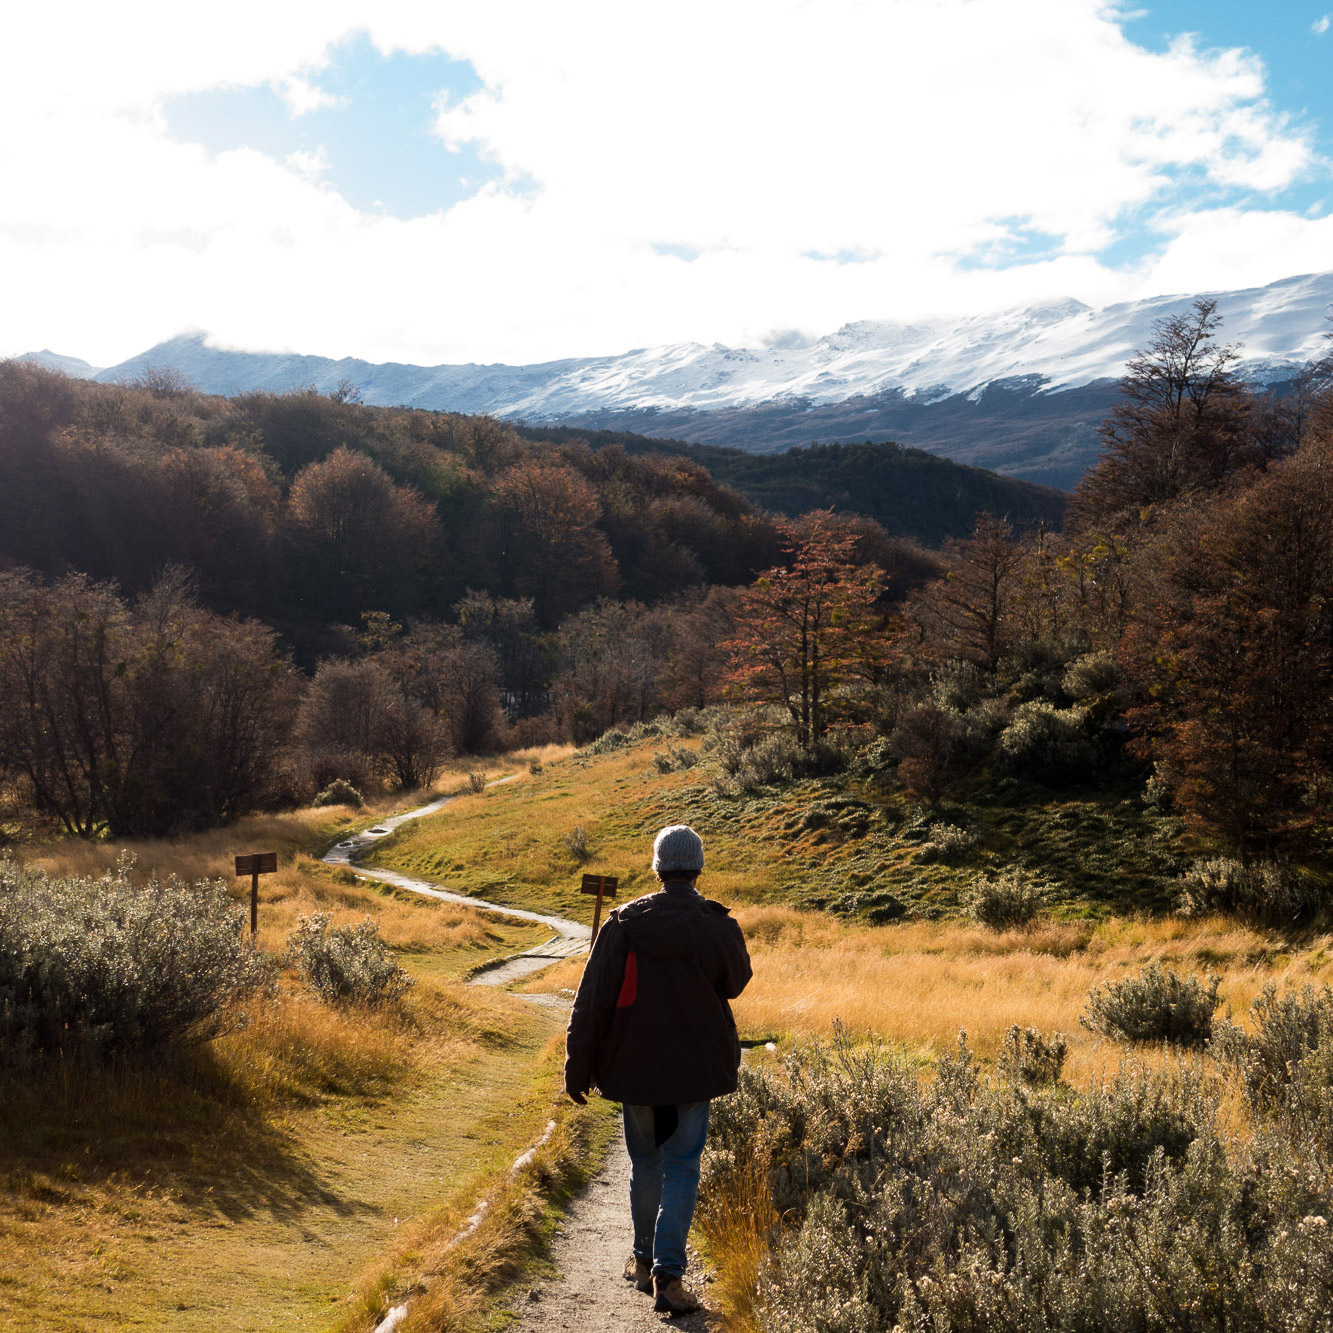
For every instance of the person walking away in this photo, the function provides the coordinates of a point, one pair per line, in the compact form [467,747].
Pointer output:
[652,1028]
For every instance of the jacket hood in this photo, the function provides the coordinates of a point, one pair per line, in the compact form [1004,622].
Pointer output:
[665,924]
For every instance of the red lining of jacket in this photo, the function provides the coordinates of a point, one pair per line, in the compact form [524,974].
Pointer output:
[629,988]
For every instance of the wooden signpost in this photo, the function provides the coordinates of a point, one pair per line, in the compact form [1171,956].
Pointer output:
[604,886]
[254,865]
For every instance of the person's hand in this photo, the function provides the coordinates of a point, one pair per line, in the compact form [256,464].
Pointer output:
[577,1097]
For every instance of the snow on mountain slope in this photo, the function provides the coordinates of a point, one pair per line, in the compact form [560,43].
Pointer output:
[1064,344]
[1051,347]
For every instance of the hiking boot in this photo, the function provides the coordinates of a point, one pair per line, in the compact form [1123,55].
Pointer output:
[639,1272]
[673,1296]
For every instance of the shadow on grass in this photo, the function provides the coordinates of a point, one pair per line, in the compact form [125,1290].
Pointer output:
[176,1123]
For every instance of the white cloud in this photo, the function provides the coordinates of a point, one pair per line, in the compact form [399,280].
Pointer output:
[302,96]
[1321,25]
[756,133]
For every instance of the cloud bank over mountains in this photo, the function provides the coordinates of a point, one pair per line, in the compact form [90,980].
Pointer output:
[650,176]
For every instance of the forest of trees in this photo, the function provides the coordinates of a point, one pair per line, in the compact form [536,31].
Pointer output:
[210,605]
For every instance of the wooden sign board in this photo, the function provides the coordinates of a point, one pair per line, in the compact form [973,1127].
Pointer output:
[254,865]
[604,886]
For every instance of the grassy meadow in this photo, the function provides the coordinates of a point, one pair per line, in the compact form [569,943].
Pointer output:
[909,986]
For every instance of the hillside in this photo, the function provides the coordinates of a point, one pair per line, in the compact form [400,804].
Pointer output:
[910,492]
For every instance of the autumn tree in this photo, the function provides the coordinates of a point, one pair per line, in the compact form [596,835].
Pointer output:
[613,660]
[526,654]
[1233,656]
[549,544]
[969,614]
[807,627]
[139,720]
[1181,423]
[356,722]
[362,541]
[456,679]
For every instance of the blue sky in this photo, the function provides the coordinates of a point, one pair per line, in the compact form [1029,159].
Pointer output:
[374,130]
[1295,43]
[520,181]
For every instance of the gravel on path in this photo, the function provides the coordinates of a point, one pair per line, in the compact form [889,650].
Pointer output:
[590,1295]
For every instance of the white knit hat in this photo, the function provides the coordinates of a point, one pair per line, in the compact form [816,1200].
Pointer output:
[679,849]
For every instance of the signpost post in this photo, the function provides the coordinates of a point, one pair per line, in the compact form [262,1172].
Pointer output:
[254,865]
[602,886]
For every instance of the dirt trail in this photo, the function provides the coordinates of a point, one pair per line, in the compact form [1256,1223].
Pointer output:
[569,937]
[589,1293]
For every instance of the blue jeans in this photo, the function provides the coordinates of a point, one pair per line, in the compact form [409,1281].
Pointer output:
[663,1184]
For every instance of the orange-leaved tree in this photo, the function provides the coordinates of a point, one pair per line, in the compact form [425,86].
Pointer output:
[809,625]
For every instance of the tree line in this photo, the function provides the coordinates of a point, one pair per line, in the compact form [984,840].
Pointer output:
[213,605]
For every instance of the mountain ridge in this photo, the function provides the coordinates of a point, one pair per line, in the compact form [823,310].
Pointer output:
[991,390]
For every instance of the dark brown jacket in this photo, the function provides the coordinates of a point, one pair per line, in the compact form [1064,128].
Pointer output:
[651,1024]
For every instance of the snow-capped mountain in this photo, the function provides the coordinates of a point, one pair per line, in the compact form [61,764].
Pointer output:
[1019,391]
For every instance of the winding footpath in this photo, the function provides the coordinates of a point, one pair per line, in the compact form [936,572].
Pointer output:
[570,937]
[588,1251]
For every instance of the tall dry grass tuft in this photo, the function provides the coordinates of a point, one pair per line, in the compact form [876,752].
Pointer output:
[299,1051]
[738,1222]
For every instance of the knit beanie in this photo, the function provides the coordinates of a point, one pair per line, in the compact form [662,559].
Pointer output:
[678,849]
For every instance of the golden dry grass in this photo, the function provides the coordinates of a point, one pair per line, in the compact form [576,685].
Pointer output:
[508,843]
[920,983]
[451,1275]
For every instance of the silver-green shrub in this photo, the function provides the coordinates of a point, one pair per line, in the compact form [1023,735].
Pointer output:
[577,845]
[1260,891]
[346,964]
[1043,740]
[1091,675]
[1028,1057]
[1286,1063]
[1156,1005]
[948,843]
[959,1202]
[340,792]
[675,758]
[108,963]
[1014,897]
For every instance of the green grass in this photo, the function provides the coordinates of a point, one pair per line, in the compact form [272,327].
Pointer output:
[846,844]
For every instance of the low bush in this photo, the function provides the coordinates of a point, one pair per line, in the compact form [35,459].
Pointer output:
[948,843]
[1044,741]
[340,792]
[675,758]
[577,845]
[113,965]
[1263,891]
[1090,676]
[891,1201]
[753,759]
[1286,1063]
[1156,1005]
[346,964]
[1014,897]
[1028,1057]
[608,742]
[476,783]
